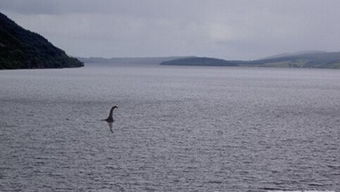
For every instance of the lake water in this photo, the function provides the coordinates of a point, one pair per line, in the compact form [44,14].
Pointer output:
[176,129]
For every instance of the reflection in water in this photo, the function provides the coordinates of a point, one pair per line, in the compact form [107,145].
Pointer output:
[110,119]
[110,125]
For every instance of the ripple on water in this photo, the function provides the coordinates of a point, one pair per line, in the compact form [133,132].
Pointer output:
[176,129]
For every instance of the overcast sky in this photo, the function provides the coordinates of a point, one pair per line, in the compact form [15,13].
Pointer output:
[230,29]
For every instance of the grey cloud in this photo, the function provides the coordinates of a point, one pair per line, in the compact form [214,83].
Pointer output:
[229,29]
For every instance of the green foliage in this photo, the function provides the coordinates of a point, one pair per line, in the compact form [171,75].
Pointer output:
[20,48]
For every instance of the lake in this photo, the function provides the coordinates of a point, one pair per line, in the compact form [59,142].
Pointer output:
[176,129]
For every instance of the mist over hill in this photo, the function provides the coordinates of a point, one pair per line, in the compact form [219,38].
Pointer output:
[309,59]
[127,60]
[200,61]
[23,49]
[303,59]
[300,60]
[288,54]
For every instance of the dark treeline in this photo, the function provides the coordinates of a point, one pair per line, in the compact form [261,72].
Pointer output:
[23,49]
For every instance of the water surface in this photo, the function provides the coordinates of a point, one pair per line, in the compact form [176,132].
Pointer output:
[176,129]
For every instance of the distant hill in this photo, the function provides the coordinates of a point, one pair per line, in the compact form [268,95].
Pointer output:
[309,59]
[302,60]
[288,54]
[23,49]
[200,61]
[127,60]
